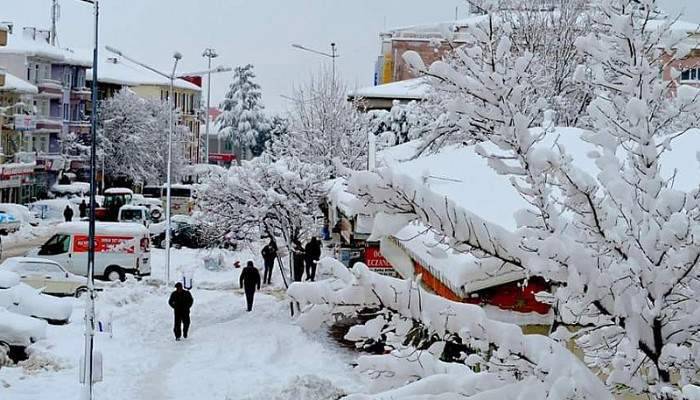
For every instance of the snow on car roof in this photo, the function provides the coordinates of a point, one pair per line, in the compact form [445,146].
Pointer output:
[133,207]
[8,279]
[17,260]
[103,228]
[119,191]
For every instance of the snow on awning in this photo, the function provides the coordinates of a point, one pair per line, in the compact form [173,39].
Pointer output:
[412,89]
[461,272]
[17,85]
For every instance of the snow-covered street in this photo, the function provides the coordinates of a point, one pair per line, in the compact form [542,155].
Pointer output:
[230,354]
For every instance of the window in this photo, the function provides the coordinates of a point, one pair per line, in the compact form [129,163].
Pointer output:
[691,75]
[58,244]
[42,107]
[36,268]
[67,77]
[65,112]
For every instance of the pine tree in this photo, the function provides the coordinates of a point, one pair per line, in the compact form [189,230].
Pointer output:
[242,119]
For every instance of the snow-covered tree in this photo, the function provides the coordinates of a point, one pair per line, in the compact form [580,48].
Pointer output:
[324,126]
[401,124]
[242,119]
[274,199]
[620,243]
[133,138]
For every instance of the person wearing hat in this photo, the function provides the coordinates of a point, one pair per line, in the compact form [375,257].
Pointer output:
[249,281]
[181,301]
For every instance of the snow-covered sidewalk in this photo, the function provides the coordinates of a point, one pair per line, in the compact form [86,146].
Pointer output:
[231,354]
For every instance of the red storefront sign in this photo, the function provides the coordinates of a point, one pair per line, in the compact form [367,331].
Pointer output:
[375,259]
[104,244]
[220,157]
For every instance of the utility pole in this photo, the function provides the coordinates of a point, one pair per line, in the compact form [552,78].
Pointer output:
[208,53]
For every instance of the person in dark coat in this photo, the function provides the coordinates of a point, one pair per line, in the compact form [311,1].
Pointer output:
[68,214]
[83,209]
[298,257]
[313,255]
[181,301]
[269,254]
[250,281]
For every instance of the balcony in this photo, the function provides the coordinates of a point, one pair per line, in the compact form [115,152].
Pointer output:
[47,124]
[49,88]
[80,127]
[80,94]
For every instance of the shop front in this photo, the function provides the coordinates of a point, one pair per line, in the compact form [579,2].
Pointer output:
[16,183]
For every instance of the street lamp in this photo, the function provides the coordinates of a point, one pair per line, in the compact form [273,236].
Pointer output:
[87,367]
[208,53]
[333,54]
[177,57]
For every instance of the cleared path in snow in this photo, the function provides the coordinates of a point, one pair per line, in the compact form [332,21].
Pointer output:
[231,354]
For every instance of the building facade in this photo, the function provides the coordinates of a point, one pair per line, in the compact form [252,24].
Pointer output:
[59,120]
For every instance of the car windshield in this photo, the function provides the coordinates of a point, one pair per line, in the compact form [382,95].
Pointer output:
[38,268]
[132,215]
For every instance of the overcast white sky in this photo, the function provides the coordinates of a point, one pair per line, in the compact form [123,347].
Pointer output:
[259,32]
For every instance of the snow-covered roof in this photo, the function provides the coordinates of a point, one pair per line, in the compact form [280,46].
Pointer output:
[114,71]
[15,84]
[461,272]
[103,228]
[412,89]
[72,188]
[437,27]
[18,43]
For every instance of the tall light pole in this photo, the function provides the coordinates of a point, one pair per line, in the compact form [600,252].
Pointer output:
[332,55]
[208,53]
[171,77]
[90,307]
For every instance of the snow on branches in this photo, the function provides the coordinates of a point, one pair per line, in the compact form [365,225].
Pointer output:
[619,241]
[324,126]
[489,358]
[242,119]
[133,138]
[259,197]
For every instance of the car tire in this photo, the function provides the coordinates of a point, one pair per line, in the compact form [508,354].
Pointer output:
[114,274]
[80,292]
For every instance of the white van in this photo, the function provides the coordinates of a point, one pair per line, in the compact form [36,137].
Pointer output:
[120,248]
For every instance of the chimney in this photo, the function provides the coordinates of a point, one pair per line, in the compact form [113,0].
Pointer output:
[29,32]
[44,35]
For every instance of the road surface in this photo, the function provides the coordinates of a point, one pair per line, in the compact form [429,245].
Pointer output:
[14,248]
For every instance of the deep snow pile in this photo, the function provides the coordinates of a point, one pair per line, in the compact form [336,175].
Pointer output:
[230,353]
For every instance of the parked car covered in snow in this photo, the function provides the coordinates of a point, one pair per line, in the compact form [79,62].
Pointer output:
[23,299]
[20,213]
[120,248]
[8,223]
[19,330]
[47,275]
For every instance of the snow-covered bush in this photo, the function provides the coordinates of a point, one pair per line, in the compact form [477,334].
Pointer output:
[619,242]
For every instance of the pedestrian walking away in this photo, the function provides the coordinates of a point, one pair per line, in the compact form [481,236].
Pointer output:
[181,301]
[313,255]
[298,258]
[68,214]
[83,209]
[249,282]
[269,255]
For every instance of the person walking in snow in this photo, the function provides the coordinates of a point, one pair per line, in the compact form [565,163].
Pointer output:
[298,257]
[269,254]
[83,209]
[68,214]
[249,282]
[181,301]
[312,256]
